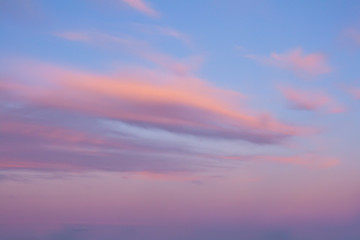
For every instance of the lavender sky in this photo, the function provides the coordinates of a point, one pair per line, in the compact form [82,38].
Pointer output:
[179,120]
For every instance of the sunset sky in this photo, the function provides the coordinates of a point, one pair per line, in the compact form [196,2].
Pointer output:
[179,120]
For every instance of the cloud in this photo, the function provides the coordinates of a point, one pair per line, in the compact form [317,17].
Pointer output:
[28,145]
[150,98]
[88,121]
[52,147]
[25,11]
[313,64]
[355,92]
[135,47]
[45,146]
[167,177]
[241,49]
[309,160]
[174,33]
[74,36]
[353,35]
[310,100]
[166,31]
[142,6]
[61,119]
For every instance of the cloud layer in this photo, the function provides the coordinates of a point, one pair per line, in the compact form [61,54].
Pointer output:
[182,104]
[53,119]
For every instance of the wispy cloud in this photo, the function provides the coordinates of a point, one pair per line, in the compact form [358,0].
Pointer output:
[32,144]
[166,31]
[183,104]
[353,35]
[355,92]
[74,36]
[73,137]
[241,49]
[310,100]
[90,112]
[142,6]
[176,103]
[309,160]
[135,47]
[23,11]
[313,64]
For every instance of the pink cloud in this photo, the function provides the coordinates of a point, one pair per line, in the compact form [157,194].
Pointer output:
[353,35]
[135,47]
[142,6]
[48,133]
[309,160]
[310,100]
[183,104]
[174,33]
[21,164]
[166,31]
[355,92]
[30,144]
[167,177]
[43,146]
[73,36]
[75,101]
[24,11]
[33,144]
[313,64]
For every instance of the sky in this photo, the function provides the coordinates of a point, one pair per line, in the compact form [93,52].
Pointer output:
[179,120]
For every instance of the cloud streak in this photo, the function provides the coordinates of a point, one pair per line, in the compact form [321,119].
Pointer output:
[165,31]
[28,145]
[310,100]
[143,7]
[355,92]
[134,47]
[53,120]
[148,98]
[313,64]
[353,35]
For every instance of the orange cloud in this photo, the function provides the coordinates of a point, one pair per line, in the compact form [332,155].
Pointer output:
[142,6]
[313,64]
[310,100]
[182,104]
